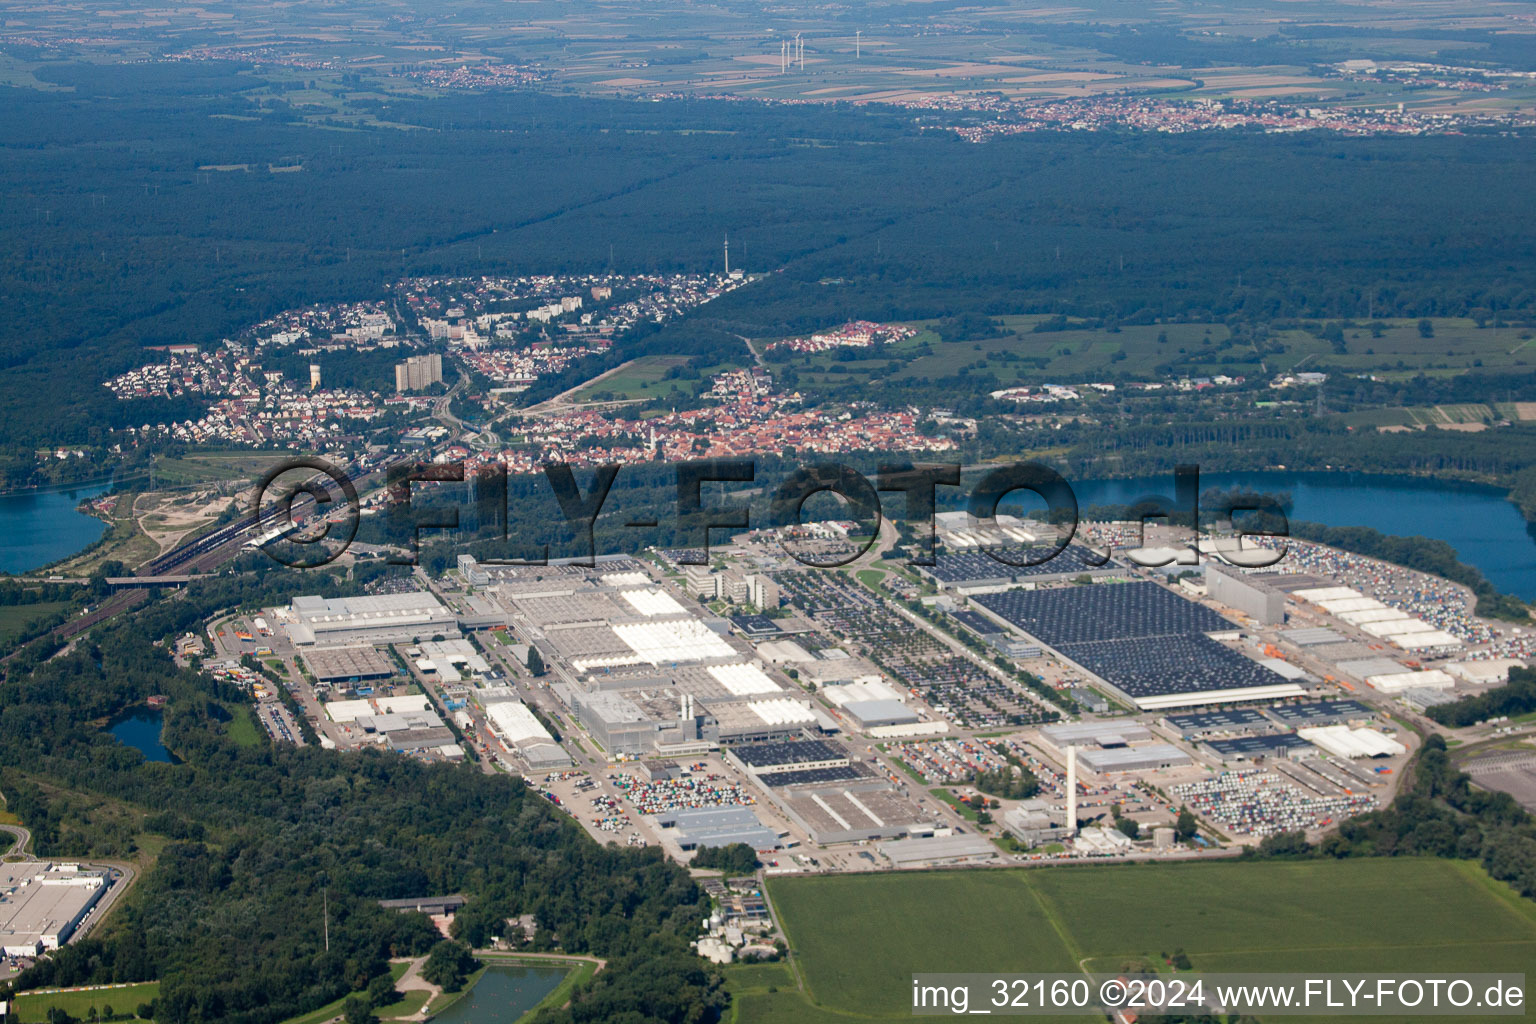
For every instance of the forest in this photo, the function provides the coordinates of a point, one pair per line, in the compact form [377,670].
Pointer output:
[1515,698]
[120,235]
[254,840]
[1438,814]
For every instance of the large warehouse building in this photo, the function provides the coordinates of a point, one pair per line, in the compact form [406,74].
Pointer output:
[383,619]
[521,733]
[1245,592]
[41,905]
[1142,641]
[974,571]
[832,798]
[646,672]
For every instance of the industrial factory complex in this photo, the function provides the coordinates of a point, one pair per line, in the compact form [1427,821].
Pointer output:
[43,904]
[993,706]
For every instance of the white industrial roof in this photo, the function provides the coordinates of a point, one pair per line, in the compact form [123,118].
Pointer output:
[1364,668]
[1199,697]
[652,603]
[1396,682]
[625,579]
[513,722]
[676,640]
[743,680]
[1364,615]
[1494,670]
[1326,593]
[1343,741]
[782,712]
[1394,627]
[1423,641]
[861,690]
[1282,668]
[783,650]
[882,732]
[1350,604]
[344,711]
[400,705]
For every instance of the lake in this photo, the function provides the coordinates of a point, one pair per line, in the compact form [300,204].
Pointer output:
[1484,527]
[41,527]
[141,731]
[502,995]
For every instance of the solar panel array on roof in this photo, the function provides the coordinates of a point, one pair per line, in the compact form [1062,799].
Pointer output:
[1158,666]
[788,753]
[963,566]
[1321,712]
[1141,638]
[1105,611]
[756,625]
[1211,721]
[1276,745]
[976,623]
[808,776]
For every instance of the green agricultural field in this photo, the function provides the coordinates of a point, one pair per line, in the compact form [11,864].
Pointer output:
[215,466]
[1395,349]
[648,377]
[33,1008]
[15,617]
[242,728]
[858,939]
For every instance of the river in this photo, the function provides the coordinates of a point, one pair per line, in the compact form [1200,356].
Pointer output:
[41,527]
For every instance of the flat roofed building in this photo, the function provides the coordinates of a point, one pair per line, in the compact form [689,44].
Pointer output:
[871,688]
[784,652]
[347,664]
[1314,636]
[615,721]
[1397,682]
[521,733]
[42,904]
[1248,748]
[1323,712]
[1142,641]
[1493,670]
[1102,734]
[458,654]
[872,714]
[1342,741]
[1245,592]
[1363,668]
[718,826]
[939,851]
[791,755]
[1145,758]
[1225,720]
[380,619]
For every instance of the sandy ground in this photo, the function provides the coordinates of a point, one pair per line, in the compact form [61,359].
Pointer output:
[166,523]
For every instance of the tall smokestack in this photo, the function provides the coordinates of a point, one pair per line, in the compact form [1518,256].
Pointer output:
[1072,790]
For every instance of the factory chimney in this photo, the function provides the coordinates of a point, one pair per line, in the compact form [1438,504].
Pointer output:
[1072,790]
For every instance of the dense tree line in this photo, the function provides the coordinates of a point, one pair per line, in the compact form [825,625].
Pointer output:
[1440,814]
[1517,697]
[259,839]
[733,859]
[138,247]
